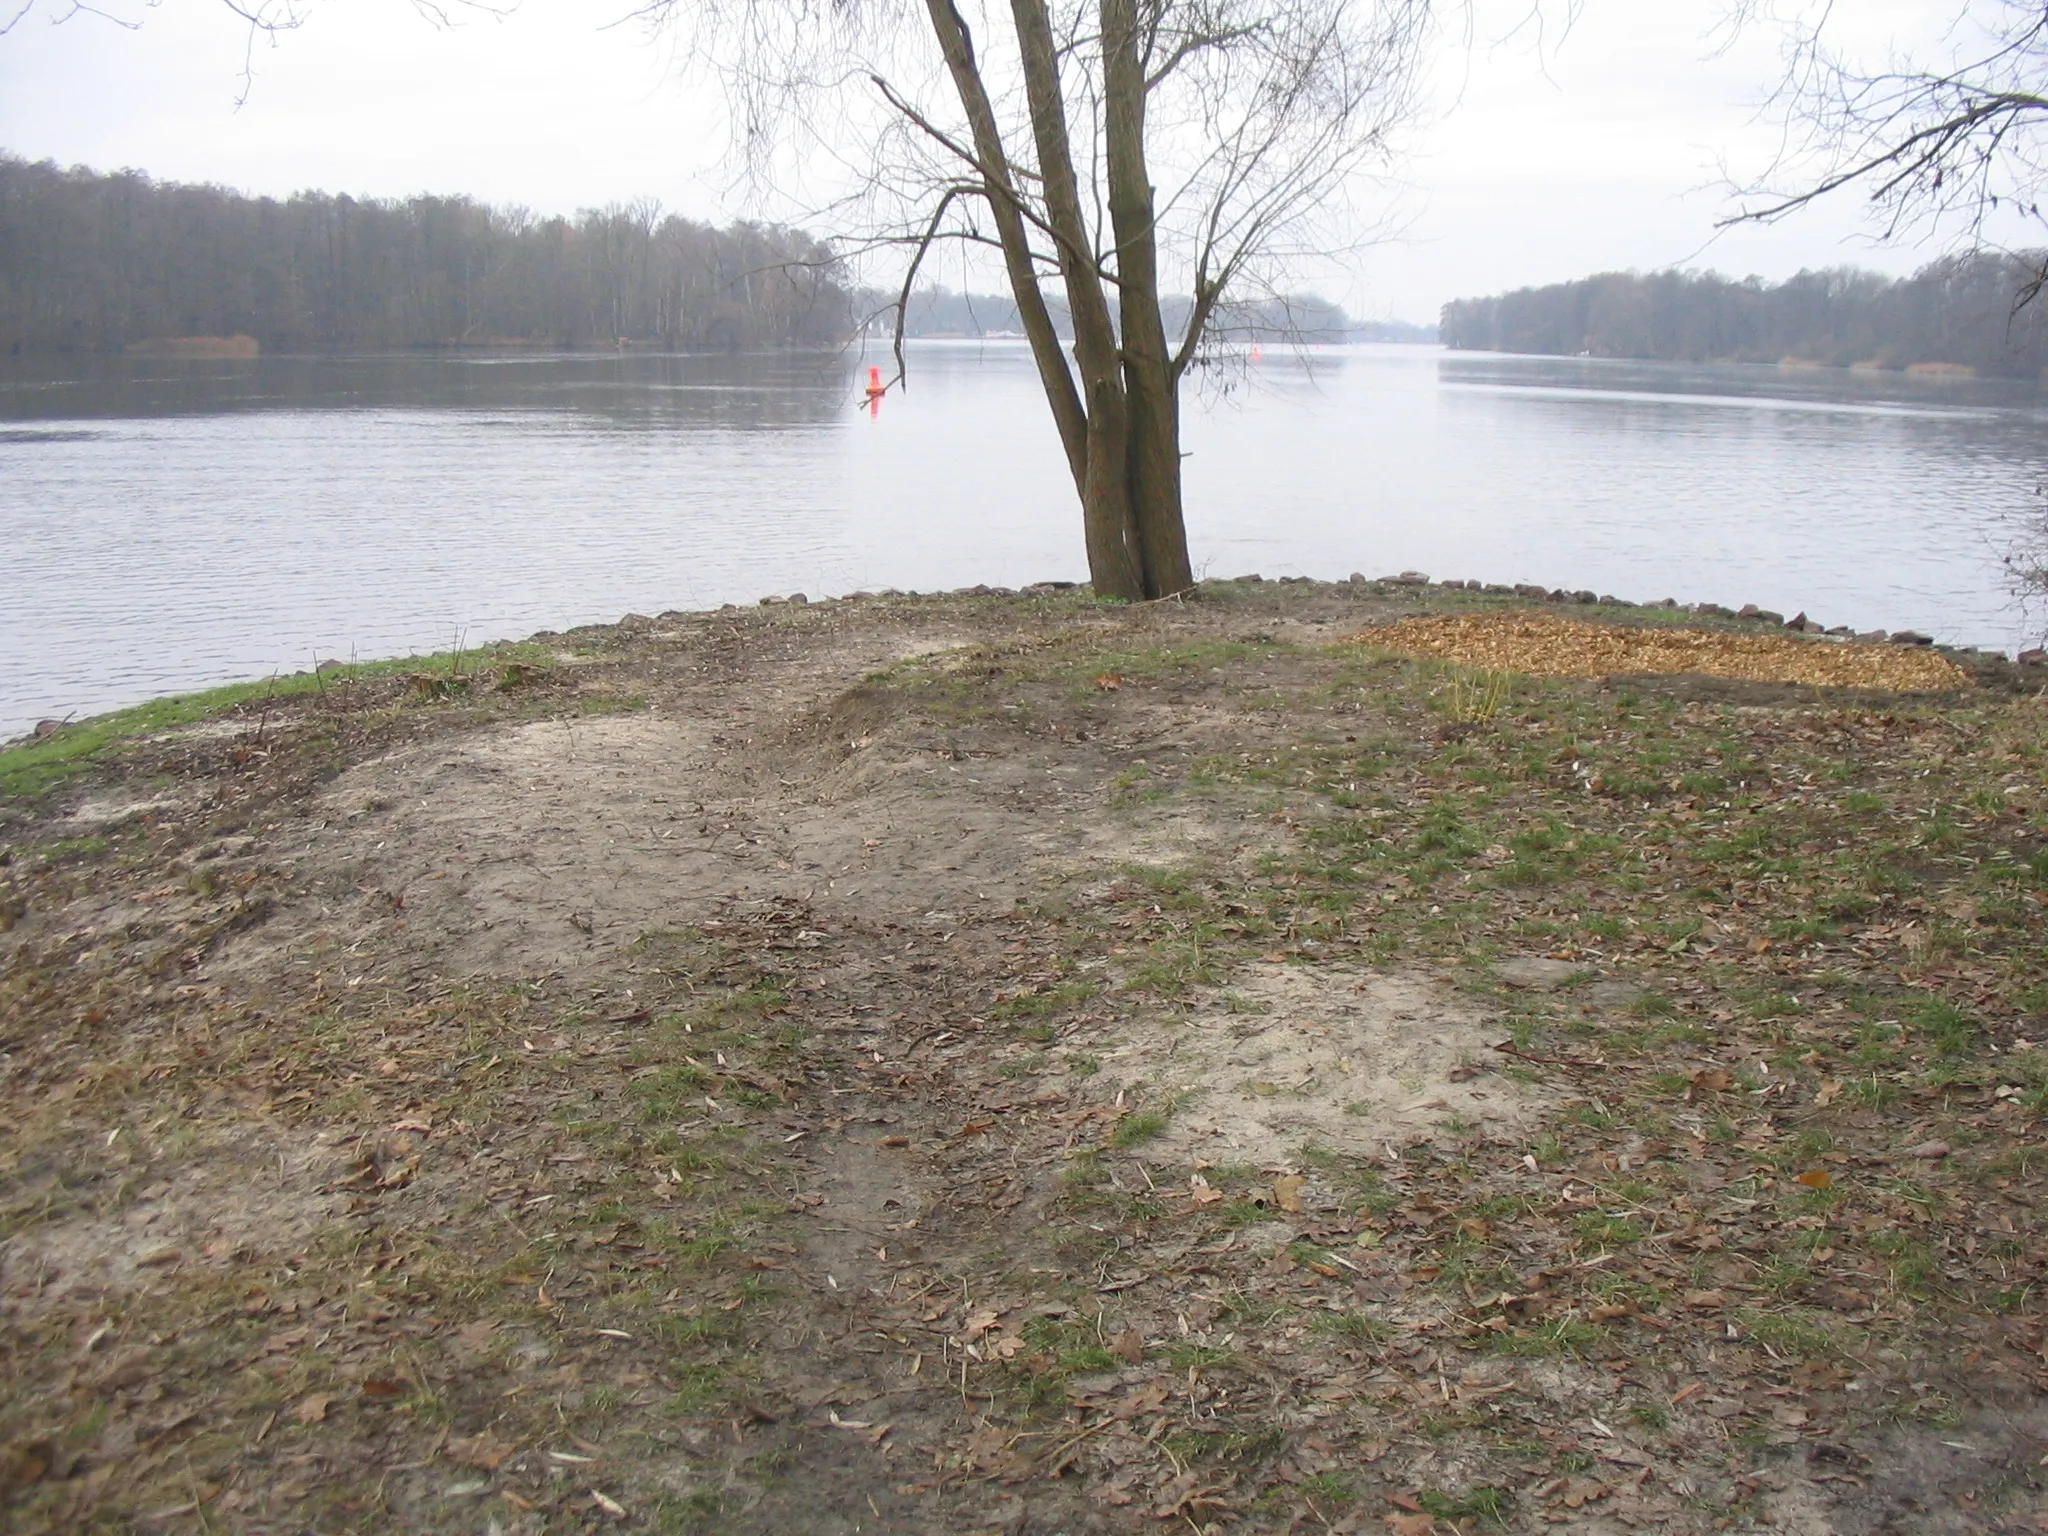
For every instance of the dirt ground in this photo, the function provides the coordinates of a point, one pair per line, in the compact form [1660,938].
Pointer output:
[1003,1064]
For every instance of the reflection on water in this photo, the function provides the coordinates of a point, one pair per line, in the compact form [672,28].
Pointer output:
[170,524]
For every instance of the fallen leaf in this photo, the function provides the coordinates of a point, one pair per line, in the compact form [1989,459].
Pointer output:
[1201,1193]
[382,1387]
[1128,1346]
[25,1465]
[1929,1151]
[610,1506]
[1705,1301]
[1287,1193]
[1817,1178]
[1578,1492]
[981,1322]
[1139,1400]
[1715,1081]
[311,1410]
[479,1450]
[1829,1092]
[1411,1525]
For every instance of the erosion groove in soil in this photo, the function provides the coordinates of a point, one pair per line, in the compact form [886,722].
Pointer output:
[973,1065]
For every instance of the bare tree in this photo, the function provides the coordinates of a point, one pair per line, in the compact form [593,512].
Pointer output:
[1941,145]
[1117,148]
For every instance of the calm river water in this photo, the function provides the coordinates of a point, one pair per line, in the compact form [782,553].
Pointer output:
[166,526]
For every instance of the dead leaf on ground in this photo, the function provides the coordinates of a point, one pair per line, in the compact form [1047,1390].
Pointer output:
[1139,1400]
[1817,1178]
[313,1409]
[1200,1191]
[1287,1193]
[480,1450]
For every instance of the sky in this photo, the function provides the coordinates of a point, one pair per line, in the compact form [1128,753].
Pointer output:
[1609,146]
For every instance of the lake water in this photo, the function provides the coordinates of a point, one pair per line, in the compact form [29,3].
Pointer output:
[170,525]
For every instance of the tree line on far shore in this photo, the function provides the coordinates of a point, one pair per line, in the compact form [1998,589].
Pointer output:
[1302,317]
[96,262]
[1961,312]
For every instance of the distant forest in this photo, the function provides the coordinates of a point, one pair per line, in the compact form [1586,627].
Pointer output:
[939,311]
[92,262]
[1956,313]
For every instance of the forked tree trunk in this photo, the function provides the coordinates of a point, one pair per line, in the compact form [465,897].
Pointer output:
[1116,405]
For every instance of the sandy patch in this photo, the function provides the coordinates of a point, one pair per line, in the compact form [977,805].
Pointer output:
[245,1198]
[97,815]
[541,846]
[1349,1060]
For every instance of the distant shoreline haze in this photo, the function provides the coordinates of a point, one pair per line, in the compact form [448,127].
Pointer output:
[106,263]
[939,313]
[1955,316]
[95,262]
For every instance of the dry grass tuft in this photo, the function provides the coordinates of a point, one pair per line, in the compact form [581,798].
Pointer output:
[1546,645]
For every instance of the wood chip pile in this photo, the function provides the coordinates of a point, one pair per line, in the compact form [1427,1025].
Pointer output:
[1547,645]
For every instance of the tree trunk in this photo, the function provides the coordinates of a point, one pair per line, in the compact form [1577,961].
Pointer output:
[1153,450]
[1115,560]
[1120,422]
[1069,415]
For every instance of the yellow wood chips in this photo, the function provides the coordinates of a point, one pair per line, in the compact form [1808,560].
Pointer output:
[1549,645]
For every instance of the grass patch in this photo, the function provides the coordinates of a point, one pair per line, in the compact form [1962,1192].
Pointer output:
[36,767]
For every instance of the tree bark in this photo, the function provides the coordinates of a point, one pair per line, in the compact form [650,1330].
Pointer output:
[1069,415]
[1120,422]
[1150,384]
[1115,559]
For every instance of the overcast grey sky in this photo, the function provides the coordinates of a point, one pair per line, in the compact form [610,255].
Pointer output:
[1601,150]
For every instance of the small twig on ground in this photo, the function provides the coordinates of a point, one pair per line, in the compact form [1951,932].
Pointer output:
[1507,1049]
